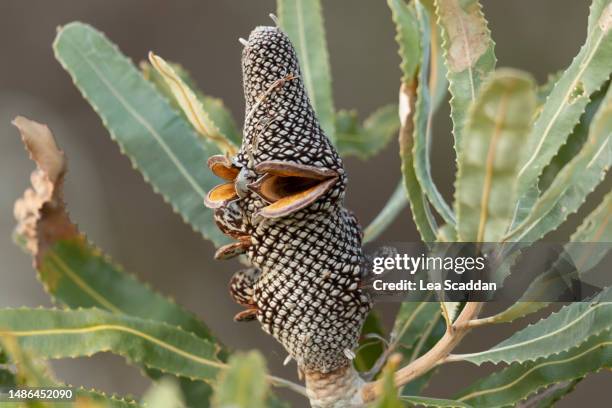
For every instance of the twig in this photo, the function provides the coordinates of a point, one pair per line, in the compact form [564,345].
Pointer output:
[432,358]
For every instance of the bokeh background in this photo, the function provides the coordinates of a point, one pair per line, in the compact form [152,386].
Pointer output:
[120,212]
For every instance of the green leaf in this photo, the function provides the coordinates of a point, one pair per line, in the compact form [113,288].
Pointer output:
[496,129]
[546,88]
[450,310]
[575,181]
[594,228]
[397,202]
[423,118]
[165,393]
[433,402]
[567,101]
[74,272]
[367,140]
[160,143]
[409,41]
[421,213]
[34,373]
[411,324]
[468,53]
[417,328]
[7,378]
[243,384]
[559,332]
[575,141]
[370,343]
[515,383]
[408,37]
[108,401]
[79,275]
[192,107]
[438,82]
[389,397]
[53,334]
[218,112]
[302,21]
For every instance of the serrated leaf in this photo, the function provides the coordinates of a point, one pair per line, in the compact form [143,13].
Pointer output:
[218,112]
[160,143]
[34,373]
[468,54]
[86,397]
[450,311]
[575,181]
[53,334]
[544,89]
[412,36]
[423,118]
[243,384]
[408,38]
[302,21]
[515,383]
[79,275]
[574,143]
[367,140]
[594,228]
[73,271]
[192,107]
[567,101]
[30,372]
[496,128]
[559,332]
[433,402]
[421,213]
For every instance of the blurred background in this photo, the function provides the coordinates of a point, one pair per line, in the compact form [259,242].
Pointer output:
[120,212]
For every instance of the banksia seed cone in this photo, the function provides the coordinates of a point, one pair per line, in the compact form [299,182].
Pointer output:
[283,202]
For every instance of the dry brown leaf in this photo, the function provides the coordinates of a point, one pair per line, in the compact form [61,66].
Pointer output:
[407,100]
[41,214]
[467,33]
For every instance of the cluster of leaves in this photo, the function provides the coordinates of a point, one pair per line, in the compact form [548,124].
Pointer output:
[527,157]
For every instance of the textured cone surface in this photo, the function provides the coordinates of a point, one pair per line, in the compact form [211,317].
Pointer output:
[309,263]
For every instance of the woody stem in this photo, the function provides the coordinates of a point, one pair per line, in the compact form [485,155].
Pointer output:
[436,355]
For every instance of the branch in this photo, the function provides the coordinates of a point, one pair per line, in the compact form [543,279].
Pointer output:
[433,357]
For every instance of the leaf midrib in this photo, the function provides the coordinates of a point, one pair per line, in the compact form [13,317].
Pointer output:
[539,338]
[564,102]
[95,295]
[119,328]
[144,123]
[486,188]
[532,369]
